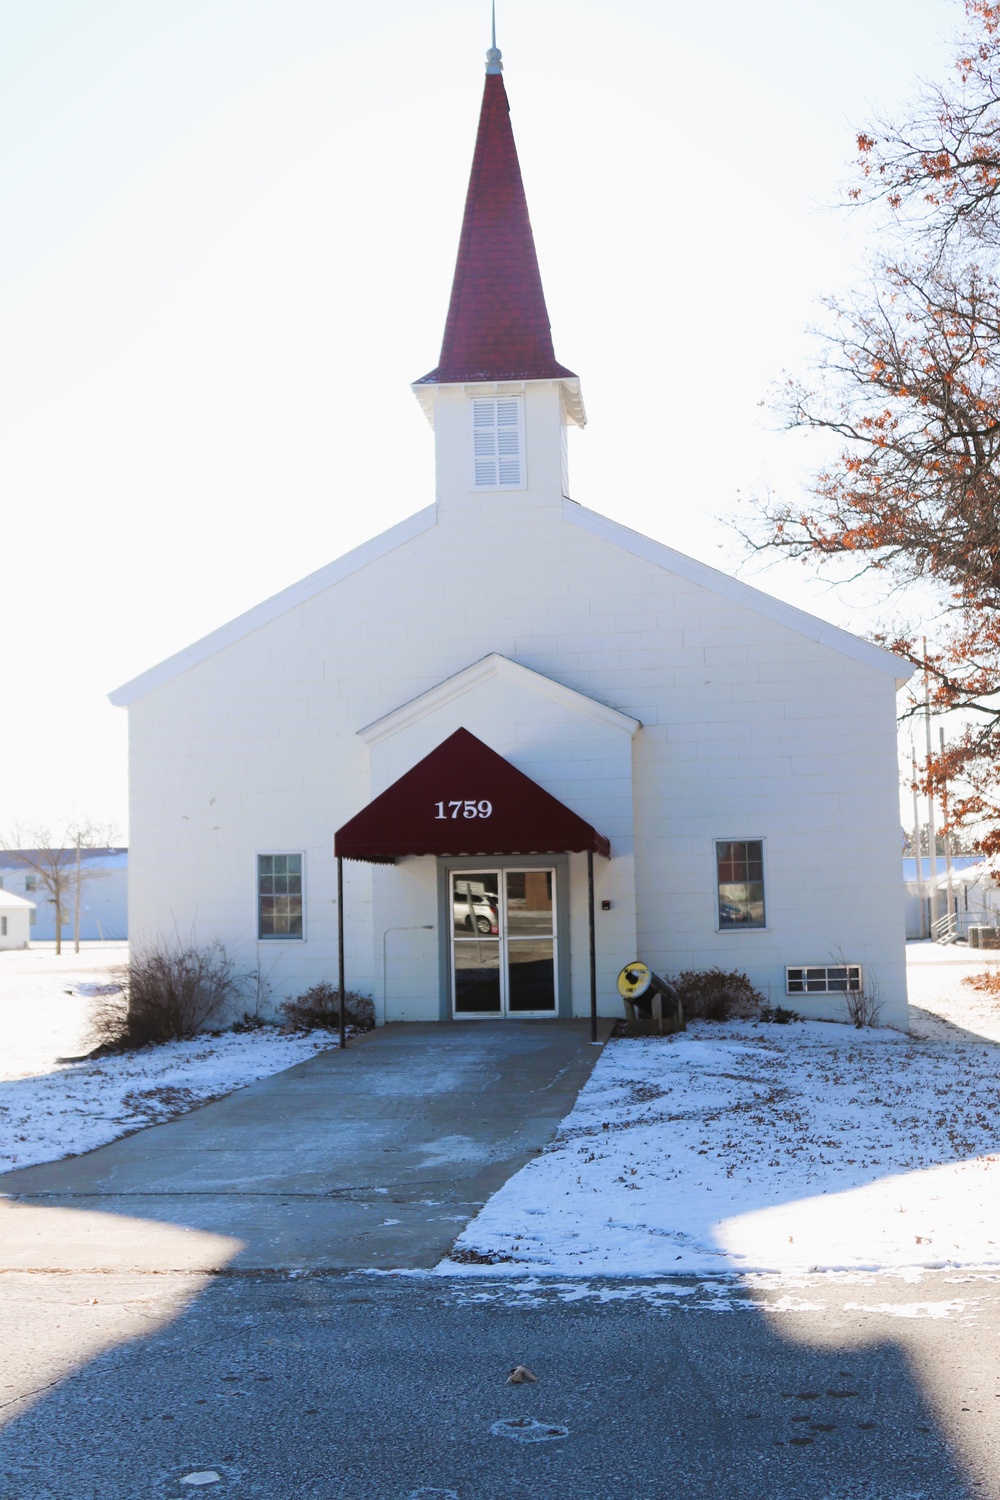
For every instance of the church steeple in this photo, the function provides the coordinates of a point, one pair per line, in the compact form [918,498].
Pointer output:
[497,327]
[499,401]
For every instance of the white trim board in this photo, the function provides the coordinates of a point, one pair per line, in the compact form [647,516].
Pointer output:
[495,665]
[277,605]
[798,620]
[570,392]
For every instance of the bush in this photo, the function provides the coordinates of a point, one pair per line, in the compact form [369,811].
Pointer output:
[250,1020]
[717,994]
[988,982]
[864,1006]
[166,995]
[319,1009]
[778,1015]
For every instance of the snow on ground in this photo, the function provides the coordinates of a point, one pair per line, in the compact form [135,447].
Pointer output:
[51,1108]
[41,1018]
[942,1008]
[745,1148]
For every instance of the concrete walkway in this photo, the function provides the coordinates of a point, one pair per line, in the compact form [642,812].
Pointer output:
[373,1157]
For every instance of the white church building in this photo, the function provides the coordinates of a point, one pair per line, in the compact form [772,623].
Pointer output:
[521,733]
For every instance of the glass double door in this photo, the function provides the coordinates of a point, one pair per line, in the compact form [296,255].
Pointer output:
[503,942]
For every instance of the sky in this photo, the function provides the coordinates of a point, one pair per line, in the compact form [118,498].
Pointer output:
[230,230]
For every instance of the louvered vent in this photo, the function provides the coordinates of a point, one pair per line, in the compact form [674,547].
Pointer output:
[496,441]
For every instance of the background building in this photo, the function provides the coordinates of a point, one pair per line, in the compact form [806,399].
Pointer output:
[16,915]
[103,893]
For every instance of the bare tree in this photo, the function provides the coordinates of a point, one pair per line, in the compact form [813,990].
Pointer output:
[57,866]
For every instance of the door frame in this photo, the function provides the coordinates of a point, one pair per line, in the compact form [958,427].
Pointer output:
[501,863]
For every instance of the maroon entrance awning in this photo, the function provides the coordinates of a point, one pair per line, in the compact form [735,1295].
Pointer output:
[464,798]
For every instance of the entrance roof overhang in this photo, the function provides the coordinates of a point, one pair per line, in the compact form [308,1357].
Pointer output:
[440,807]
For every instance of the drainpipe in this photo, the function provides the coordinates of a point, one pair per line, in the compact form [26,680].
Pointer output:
[423,927]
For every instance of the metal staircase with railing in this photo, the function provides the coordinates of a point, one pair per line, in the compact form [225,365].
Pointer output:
[946,928]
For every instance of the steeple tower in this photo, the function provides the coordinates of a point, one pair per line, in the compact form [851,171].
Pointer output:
[497,365]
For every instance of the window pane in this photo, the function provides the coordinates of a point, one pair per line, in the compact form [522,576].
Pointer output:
[529,903]
[475,905]
[279,895]
[531,974]
[477,977]
[740,877]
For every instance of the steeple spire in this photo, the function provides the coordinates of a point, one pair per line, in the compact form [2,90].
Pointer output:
[493,56]
[497,326]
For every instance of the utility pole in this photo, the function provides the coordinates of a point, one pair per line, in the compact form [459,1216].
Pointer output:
[947,836]
[916,842]
[76,898]
[931,835]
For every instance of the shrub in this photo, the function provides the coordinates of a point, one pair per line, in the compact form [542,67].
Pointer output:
[864,1005]
[319,1009]
[988,981]
[778,1015]
[166,995]
[250,1020]
[717,994]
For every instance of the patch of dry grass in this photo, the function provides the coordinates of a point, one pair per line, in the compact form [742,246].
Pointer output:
[988,981]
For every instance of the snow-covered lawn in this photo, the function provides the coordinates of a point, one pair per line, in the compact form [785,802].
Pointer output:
[51,1108]
[78,1106]
[746,1147]
[728,1149]
[41,1016]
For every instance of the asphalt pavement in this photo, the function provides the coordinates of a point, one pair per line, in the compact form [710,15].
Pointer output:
[242,1303]
[360,1387]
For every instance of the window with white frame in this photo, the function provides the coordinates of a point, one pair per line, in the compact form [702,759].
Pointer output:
[279,896]
[739,866]
[3,926]
[31,882]
[823,979]
[497,443]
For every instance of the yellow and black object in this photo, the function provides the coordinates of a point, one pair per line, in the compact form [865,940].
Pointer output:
[652,1005]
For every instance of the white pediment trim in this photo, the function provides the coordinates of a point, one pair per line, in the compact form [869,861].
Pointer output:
[273,608]
[482,671]
[777,610]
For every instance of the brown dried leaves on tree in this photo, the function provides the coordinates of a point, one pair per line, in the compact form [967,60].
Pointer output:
[910,385]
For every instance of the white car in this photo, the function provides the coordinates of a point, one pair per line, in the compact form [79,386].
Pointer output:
[474,908]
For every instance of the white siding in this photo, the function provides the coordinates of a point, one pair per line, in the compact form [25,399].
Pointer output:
[749,729]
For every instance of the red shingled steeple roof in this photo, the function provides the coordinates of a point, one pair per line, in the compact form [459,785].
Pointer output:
[498,327]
